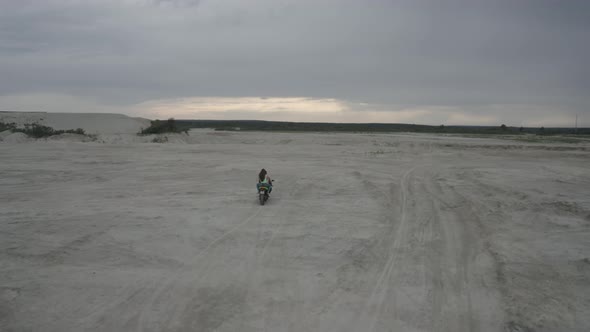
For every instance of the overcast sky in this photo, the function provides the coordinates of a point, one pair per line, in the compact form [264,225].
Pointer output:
[434,62]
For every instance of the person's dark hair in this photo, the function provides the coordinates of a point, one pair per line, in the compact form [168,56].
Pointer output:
[262,175]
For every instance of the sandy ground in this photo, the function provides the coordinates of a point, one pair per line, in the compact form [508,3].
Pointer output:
[362,233]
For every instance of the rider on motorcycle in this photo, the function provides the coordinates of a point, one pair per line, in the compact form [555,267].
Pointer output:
[264,180]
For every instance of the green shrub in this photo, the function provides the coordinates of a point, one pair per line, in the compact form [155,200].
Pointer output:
[78,131]
[38,131]
[161,127]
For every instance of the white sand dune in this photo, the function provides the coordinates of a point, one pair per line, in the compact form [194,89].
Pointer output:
[92,123]
[362,233]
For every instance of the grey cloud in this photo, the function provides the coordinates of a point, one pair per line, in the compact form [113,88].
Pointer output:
[178,3]
[465,54]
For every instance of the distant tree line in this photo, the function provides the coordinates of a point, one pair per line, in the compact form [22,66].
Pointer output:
[255,125]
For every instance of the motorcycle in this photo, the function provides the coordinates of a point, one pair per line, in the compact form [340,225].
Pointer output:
[263,190]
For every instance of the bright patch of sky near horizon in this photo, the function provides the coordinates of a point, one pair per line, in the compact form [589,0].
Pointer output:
[414,61]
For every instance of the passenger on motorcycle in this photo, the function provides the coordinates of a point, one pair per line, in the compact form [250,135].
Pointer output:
[264,180]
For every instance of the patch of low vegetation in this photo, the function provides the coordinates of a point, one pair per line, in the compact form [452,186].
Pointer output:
[378,153]
[36,130]
[7,126]
[160,139]
[163,127]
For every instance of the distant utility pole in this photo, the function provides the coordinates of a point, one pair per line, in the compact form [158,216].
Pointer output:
[576,131]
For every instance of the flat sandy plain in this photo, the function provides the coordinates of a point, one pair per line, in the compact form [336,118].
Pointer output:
[364,232]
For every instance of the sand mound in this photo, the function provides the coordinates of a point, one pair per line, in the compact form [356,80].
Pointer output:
[168,138]
[92,123]
[4,134]
[16,138]
[70,138]
[121,139]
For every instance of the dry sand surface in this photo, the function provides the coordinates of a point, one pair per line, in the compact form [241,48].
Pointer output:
[362,233]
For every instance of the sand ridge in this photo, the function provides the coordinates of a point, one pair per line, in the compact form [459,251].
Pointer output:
[92,123]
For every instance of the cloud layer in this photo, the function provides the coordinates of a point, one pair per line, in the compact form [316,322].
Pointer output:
[515,62]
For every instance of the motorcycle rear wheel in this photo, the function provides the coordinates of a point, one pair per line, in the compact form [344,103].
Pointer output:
[262,198]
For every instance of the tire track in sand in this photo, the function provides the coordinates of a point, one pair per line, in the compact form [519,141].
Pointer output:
[200,260]
[439,273]
[381,287]
[171,280]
